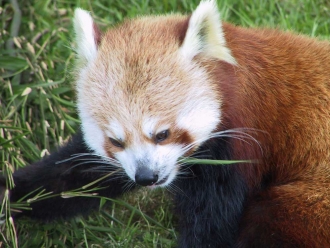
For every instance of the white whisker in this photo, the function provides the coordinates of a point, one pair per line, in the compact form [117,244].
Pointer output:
[112,178]
[237,133]
[172,188]
[128,185]
[74,156]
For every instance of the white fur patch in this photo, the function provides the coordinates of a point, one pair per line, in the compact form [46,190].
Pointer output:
[205,35]
[162,159]
[199,119]
[85,36]
[200,113]
[93,135]
[148,126]
[115,130]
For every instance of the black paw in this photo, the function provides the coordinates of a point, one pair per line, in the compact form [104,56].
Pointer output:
[3,188]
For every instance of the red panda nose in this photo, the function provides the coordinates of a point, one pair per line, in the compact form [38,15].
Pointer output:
[145,177]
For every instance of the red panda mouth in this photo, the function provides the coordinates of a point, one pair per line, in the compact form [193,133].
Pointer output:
[161,181]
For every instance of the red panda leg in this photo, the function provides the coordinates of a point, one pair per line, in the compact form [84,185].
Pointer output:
[292,215]
[61,172]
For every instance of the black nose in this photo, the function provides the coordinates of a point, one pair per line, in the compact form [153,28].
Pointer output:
[145,176]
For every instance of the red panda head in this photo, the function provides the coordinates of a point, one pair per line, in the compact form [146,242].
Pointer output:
[143,98]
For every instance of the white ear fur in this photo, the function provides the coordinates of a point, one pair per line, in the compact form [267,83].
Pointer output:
[85,35]
[205,35]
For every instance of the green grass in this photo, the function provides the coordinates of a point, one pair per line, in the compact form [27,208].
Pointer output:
[37,109]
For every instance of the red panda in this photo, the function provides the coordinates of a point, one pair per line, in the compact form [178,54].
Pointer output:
[155,89]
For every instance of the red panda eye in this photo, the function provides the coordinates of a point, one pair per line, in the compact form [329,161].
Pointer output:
[116,143]
[161,136]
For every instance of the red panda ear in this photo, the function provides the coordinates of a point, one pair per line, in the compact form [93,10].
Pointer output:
[88,36]
[205,35]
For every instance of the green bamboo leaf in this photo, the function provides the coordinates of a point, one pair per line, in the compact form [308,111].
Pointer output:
[12,63]
[213,162]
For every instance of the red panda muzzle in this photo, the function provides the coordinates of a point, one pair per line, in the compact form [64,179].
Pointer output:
[145,176]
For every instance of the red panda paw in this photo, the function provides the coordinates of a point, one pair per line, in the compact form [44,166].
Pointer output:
[2,188]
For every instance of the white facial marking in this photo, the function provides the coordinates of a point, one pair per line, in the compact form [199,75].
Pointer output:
[148,126]
[115,130]
[200,112]
[93,135]
[161,159]
[200,118]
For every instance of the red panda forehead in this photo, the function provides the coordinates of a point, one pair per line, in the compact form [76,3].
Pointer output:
[156,91]
[140,63]
[146,33]
[162,86]
[174,91]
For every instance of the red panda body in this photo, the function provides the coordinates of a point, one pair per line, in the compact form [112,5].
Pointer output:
[282,88]
[155,89]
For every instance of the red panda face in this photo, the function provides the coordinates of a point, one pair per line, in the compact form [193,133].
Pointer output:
[142,98]
[147,115]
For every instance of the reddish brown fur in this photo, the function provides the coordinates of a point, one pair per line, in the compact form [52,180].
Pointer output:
[290,102]
[281,87]
[97,34]
[110,148]
[179,137]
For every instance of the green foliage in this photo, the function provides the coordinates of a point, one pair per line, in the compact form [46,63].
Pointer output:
[37,110]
